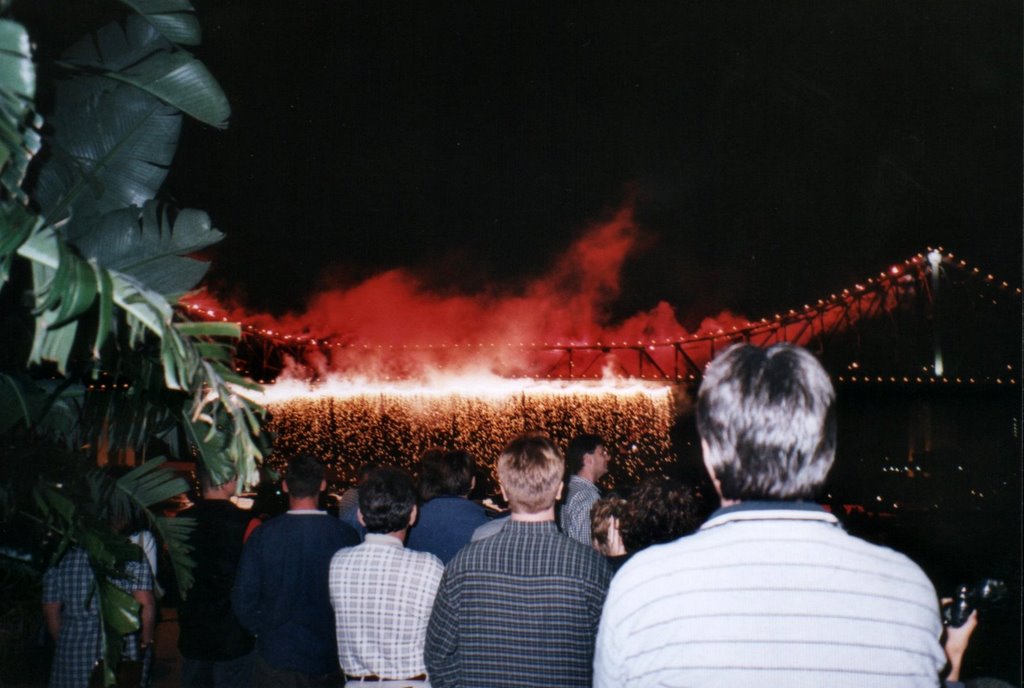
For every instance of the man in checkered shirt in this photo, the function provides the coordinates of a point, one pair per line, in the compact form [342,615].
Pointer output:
[382,593]
[587,461]
[520,608]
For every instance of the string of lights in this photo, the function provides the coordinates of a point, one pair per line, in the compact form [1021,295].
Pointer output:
[914,268]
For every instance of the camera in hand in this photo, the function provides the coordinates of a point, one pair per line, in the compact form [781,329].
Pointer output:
[985,594]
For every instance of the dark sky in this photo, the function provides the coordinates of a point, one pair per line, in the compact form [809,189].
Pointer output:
[777,151]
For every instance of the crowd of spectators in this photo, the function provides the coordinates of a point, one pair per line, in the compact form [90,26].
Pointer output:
[414,584]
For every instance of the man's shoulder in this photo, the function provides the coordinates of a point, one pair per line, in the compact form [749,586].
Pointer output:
[318,522]
[581,493]
[788,543]
[559,553]
[216,511]
[424,560]
[449,507]
[404,555]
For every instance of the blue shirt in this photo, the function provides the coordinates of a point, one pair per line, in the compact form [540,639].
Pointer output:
[445,525]
[281,592]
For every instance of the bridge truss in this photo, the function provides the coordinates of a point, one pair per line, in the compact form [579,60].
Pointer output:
[931,319]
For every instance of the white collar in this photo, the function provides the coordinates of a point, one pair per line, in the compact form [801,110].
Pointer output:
[382,539]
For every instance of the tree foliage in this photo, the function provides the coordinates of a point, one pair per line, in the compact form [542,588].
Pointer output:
[92,264]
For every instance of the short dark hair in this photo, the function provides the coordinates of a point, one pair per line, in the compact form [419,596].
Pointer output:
[578,447]
[386,500]
[304,475]
[768,419]
[206,479]
[658,510]
[365,469]
[429,485]
[457,469]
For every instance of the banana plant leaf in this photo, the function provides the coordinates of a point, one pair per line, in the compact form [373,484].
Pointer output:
[16,225]
[43,405]
[131,498]
[148,485]
[19,400]
[110,150]
[19,140]
[17,73]
[144,244]
[136,53]
[174,19]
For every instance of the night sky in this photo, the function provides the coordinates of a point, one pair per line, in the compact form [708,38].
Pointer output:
[775,151]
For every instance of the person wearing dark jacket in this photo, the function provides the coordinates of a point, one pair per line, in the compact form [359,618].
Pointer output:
[281,592]
[447,521]
[216,650]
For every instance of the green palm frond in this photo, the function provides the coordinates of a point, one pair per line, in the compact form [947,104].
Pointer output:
[19,138]
[149,485]
[103,264]
[144,243]
[174,19]
[175,533]
[139,55]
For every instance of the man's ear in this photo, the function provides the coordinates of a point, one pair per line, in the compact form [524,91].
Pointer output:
[705,453]
[284,486]
[359,517]
[588,459]
[413,515]
[323,485]
[503,494]
[561,489]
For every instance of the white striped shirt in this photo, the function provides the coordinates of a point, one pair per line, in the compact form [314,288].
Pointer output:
[382,596]
[769,595]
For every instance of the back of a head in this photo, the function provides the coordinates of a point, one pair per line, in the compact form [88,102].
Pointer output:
[659,510]
[365,469]
[767,418]
[429,484]
[457,469]
[207,482]
[578,447]
[386,500]
[530,471]
[122,514]
[304,475]
[601,514]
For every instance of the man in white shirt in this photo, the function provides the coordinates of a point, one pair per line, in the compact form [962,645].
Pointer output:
[771,591]
[383,593]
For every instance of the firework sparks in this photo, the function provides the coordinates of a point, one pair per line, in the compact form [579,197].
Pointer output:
[348,422]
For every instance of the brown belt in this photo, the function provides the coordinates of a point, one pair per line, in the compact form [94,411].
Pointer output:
[421,677]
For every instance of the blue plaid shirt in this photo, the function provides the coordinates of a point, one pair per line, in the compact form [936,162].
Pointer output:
[70,583]
[517,609]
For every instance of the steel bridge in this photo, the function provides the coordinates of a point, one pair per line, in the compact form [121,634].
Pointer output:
[929,319]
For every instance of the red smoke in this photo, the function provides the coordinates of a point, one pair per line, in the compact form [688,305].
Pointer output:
[392,325]
[394,309]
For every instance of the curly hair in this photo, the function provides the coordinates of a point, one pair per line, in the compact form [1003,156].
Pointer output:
[659,510]
[601,515]
[386,500]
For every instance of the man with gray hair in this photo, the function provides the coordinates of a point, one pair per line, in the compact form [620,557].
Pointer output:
[771,590]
